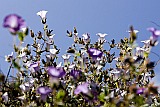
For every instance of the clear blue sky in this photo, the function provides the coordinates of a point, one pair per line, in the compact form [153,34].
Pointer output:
[93,16]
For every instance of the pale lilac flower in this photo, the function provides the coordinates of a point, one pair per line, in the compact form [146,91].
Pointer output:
[14,23]
[25,87]
[55,72]
[34,67]
[140,90]
[44,91]
[82,88]
[155,35]
[95,53]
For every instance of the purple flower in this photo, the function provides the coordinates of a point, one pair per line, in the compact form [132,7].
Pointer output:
[82,88]
[34,67]
[55,72]
[140,90]
[75,73]
[155,33]
[14,23]
[44,91]
[95,53]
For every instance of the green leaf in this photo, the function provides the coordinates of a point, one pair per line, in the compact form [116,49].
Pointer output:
[21,36]
[60,95]
[101,97]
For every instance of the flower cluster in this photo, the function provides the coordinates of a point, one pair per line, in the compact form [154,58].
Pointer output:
[87,75]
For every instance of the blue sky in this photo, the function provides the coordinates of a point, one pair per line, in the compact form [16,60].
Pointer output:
[93,16]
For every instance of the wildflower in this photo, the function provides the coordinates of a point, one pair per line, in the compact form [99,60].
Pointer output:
[66,58]
[140,90]
[44,91]
[9,57]
[135,31]
[95,53]
[42,14]
[75,73]
[82,88]
[5,96]
[24,87]
[34,67]
[86,37]
[55,72]
[154,37]
[14,23]
[101,37]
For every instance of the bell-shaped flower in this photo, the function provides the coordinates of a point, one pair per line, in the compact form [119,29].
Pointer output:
[101,38]
[155,35]
[44,91]
[9,58]
[14,23]
[25,87]
[86,37]
[66,58]
[75,73]
[34,67]
[95,53]
[83,88]
[42,14]
[55,72]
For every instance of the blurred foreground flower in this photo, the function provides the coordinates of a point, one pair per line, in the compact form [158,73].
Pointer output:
[55,73]
[44,91]
[82,88]
[14,23]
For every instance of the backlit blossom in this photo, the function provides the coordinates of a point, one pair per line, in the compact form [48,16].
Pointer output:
[14,23]
[42,14]
[101,37]
[95,53]
[44,91]
[82,88]
[86,37]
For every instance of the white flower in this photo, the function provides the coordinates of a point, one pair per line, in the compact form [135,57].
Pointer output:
[66,56]
[101,38]
[5,97]
[42,14]
[8,58]
[101,35]
[53,51]
[135,31]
